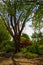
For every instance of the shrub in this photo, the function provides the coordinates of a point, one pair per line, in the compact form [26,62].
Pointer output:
[41,49]
[36,48]
[30,55]
[26,55]
[25,43]
[33,48]
[18,55]
[24,50]
[22,39]
[6,46]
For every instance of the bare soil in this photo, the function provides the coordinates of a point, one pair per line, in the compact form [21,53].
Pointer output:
[22,61]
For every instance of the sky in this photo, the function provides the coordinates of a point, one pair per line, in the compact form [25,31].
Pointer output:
[0,0]
[27,29]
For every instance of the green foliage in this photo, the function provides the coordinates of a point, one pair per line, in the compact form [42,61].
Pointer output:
[30,55]
[26,55]
[41,49]
[37,24]
[18,55]
[33,48]
[37,37]
[24,50]
[7,46]
[25,36]
[22,39]
[25,41]
[4,34]
[36,48]
[20,6]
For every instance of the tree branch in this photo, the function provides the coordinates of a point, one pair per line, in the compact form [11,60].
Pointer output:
[18,21]
[3,1]
[23,25]
[12,23]
[8,28]
[15,22]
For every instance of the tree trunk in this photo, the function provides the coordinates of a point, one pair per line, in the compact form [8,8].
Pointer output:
[14,61]
[17,43]
[17,48]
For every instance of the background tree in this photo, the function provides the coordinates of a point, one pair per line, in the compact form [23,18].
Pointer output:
[37,24]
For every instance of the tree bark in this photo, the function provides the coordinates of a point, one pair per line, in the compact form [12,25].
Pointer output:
[17,43]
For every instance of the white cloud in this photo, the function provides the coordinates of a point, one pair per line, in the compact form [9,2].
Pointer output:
[28,30]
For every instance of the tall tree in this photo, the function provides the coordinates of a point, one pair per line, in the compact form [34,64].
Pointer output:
[15,14]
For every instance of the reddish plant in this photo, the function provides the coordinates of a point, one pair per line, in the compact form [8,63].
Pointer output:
[25,43]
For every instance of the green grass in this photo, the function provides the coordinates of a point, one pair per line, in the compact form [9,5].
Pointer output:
[18,55]
[30,55]
[26,55]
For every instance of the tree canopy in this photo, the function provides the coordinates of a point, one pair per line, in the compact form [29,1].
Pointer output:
[16,15]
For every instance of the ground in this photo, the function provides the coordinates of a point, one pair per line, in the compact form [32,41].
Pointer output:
[22,61]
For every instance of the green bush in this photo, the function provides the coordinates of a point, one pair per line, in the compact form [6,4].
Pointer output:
[41,49]
[16,56]
[33,48]
[7,46]
[36,48]
[30,55]
[22,39]
[24,50]
[26,55]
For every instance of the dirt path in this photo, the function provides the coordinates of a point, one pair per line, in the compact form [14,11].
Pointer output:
[22,61]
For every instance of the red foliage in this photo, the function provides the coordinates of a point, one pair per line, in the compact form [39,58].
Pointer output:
[25,43]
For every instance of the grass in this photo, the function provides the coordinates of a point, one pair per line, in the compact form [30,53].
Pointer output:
[30,55]
[26,55]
